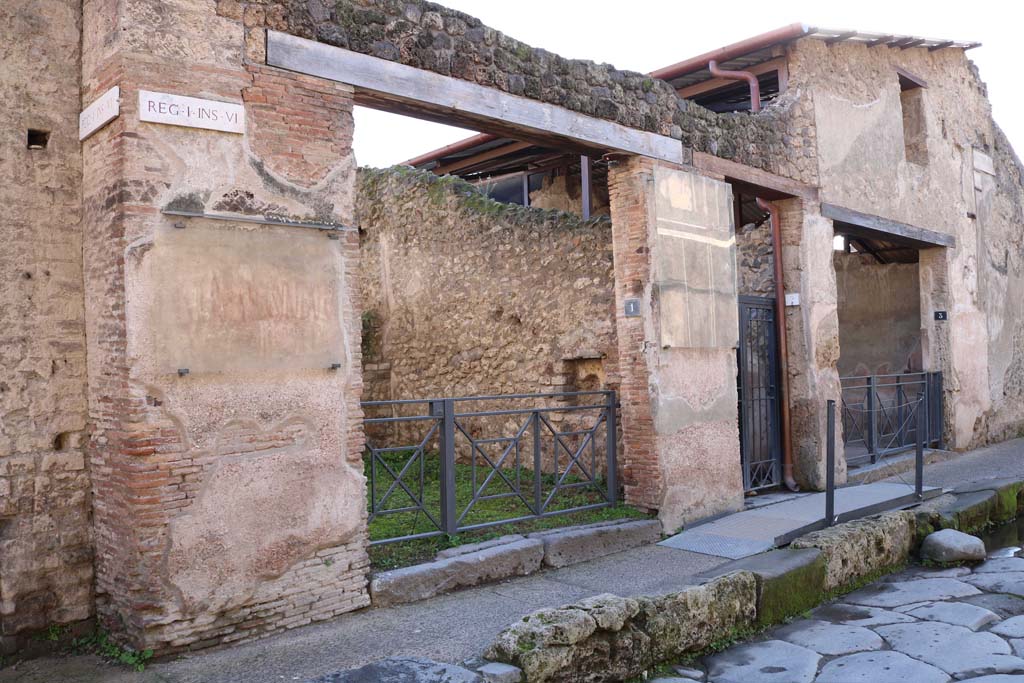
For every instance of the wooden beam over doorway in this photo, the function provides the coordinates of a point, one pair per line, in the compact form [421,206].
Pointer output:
[755,179]
[870,226]
[382,84]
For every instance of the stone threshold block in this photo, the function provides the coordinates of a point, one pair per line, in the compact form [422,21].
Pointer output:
[563,547]
[422,581]
[509,556]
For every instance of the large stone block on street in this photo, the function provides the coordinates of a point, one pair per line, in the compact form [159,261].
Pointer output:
[423,581]
[862,547]
[772,661]
[692,619]
[956,650]
[789,582]
[590,641]
[570,546]
[950,545]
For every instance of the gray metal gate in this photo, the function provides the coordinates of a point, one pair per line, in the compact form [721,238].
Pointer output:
[758,391]
[437,466]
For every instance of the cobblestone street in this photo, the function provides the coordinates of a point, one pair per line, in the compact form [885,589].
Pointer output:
[921,625]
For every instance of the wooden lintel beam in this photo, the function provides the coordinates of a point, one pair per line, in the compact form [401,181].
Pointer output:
[754,177]
[887,229]
[462,102]
[480,158]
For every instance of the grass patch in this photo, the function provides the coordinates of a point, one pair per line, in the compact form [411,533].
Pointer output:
[391,522]
[100,644]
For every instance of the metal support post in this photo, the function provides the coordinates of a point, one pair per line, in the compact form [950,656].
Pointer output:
[830,465]
[611,480]
[449,512]
[869,403]
[585,182]
[919,451]
[538,466]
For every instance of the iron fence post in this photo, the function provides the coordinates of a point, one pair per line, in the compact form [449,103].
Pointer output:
[538,465]
[611,478]
[449,512]
[939,421]
[830,464]
[919,452]
[872,435]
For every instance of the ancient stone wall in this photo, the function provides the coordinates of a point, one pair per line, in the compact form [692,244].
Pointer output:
[946,169]
[879,311]
[45,540]
[228,500]
[755,260]
[465,296]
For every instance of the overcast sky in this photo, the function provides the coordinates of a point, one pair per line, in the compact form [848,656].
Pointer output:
[643,35]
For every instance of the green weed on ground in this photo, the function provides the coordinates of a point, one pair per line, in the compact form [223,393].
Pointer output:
[100,644]
[498,500]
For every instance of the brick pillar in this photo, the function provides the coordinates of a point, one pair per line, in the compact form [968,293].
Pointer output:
[229,501]
[672,237]
[812,330]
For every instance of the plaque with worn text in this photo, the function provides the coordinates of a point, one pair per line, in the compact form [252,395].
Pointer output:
[243,299]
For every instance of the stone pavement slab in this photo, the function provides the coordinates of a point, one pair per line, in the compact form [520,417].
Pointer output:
[1000,565]
[956,650]
[879,667]
[1011,628]
[1009,582]
[829,639]
[858,615]
[771,661]
[956,613]
[907,592]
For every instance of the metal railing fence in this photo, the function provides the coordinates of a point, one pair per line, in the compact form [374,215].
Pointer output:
[881,414]
[459,464]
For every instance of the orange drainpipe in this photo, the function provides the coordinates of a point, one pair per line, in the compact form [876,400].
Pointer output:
[755,86]
[780,327]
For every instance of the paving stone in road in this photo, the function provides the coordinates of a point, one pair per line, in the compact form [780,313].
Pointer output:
[858,615]
[1011,628]
[999,678]
[1010,551]
[907,592]
[1001,565]
[879,667]
[956,613]
[770,661]
[1009,582]
[1005,606]
[956,650]
[829,639]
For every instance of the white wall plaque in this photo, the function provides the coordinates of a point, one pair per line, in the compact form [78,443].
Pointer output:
[101,112]
[178,110]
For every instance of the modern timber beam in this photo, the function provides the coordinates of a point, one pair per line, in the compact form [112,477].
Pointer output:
[381,84]
[870,226]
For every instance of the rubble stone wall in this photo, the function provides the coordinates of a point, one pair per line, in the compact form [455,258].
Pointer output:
[466,296]
[45,538]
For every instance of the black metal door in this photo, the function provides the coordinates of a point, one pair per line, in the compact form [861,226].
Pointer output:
[758,384]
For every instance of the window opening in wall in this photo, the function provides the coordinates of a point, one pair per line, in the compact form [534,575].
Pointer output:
[38,139]
[915,129]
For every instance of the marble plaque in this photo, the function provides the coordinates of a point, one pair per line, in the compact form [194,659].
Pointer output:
[191,112]
[243,299]
[695,266]
[101,112]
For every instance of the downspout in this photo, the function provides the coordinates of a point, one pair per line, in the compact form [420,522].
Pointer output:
[780,330]
[755,86]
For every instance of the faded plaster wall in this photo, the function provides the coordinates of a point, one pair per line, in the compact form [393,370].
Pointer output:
[229,502]
[879,310]
[678,390]
[45,540]
[863,164]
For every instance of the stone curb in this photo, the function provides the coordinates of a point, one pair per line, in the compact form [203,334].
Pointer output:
[508,556]
[422,581]
[580,641]
[563,547]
